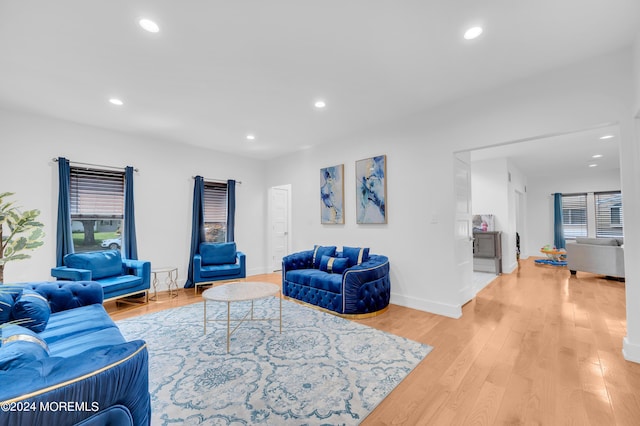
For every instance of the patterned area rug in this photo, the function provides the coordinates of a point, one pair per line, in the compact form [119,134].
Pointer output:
[322,369]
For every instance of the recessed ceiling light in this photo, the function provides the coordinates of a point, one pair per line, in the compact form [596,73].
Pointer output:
[116,101]
[149,25]
[596,156]
[251,137]
[593,165]
[606,137]
[320,104]
[472,33]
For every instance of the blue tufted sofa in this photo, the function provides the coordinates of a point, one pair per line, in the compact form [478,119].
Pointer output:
[78,369]
[119,277]
[342,282]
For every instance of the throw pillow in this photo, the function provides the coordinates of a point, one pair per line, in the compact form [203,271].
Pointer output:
[319,251]
[102,264]
[20,346]
[334,265]
[218,253]
[356,255]
[6,305]
[32,310]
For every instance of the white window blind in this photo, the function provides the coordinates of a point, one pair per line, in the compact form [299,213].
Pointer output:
[574,215]
[215,211]
[609,222]
[96,194]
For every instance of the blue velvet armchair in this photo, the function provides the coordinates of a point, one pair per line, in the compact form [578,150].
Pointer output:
[118,277]
[217,262]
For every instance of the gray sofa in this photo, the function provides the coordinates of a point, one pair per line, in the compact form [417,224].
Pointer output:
[604,256]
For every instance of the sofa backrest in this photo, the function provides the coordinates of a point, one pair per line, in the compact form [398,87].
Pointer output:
[600,241]
[218,253]
[102,264]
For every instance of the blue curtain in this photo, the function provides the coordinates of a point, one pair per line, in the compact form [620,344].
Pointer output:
[64,239]
[231,210]
[558,231]
[197,225]
[129,236]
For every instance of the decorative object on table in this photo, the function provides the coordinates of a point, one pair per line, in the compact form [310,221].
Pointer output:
[554,256]
[318,277]
[322,369]
[371,190]
[24,232]
[332,195]
[483,223]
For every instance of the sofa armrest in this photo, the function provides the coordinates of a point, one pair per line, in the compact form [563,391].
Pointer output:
[367,287]
[71,274]
[139,268]
[91,381]
[300,260]
[241,259]
[197,265]
[64,295]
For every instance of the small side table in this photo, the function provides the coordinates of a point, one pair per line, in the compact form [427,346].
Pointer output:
[171,280]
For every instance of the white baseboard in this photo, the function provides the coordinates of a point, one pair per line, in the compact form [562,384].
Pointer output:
[510,268]
[437,308]
[259,271]
[630,351]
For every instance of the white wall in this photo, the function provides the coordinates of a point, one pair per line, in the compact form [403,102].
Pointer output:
[630,166]
[418,238]
[489,190]
[163,188]
[494,185]
[540,202]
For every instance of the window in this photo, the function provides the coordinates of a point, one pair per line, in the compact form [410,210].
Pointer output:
[596,214]
[97,209]
[215,212]
[574,215]
[609,223]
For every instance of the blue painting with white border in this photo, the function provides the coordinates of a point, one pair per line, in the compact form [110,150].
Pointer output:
[332,195]
[371,190]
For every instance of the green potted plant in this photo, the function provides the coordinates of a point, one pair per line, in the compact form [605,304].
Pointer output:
[19,231]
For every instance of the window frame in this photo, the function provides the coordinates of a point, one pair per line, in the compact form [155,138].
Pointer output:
[215,210]
[98,195]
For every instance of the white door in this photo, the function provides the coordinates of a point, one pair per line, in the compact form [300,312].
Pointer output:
[463,228]
[279,226]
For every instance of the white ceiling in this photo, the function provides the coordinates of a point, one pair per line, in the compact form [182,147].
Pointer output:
[569,154]
[218,70]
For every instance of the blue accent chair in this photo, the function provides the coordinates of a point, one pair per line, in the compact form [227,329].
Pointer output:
[118,277]
[79,358]
[217,262]
[362,289]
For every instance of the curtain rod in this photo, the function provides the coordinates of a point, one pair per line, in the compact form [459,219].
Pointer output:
[239,182]
[55,160]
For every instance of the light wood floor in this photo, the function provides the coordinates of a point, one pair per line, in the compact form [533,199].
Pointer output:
[534,347]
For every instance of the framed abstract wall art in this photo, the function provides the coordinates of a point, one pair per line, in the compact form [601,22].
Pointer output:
[332,195]
[371,190]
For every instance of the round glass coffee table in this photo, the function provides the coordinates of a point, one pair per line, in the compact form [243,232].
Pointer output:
[239,292]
